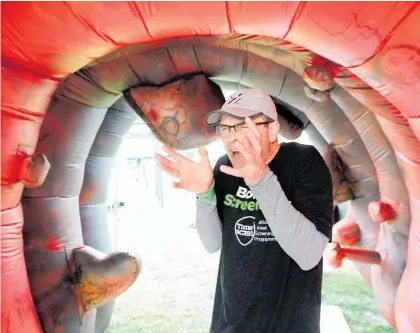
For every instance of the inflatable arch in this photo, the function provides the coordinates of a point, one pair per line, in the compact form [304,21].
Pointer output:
[76,74]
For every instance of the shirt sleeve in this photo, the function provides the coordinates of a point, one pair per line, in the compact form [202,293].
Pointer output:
[312,191]
[303,225]
[207,221]
[208,226]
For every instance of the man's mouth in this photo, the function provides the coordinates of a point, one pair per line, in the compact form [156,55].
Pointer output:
[236,153]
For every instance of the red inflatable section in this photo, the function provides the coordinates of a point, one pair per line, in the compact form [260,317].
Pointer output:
[369,52]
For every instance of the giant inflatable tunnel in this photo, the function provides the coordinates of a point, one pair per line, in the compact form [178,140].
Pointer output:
[75,75]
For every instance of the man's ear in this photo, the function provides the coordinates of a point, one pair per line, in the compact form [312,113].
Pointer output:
[274,131]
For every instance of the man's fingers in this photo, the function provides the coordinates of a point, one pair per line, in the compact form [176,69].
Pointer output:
[253,136]
[165,161]
[176,156]
[245,149]
[167,166]
[204,155]
[252,127]
[172,172]
[178,185]
[254,141]
[231,171]
[203,151]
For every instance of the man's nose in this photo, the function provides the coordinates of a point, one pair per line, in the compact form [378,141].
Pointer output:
[231,137]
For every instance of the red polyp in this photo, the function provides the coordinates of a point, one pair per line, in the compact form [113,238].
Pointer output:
[361,255]
[381,211]
[346,232]
[333,256]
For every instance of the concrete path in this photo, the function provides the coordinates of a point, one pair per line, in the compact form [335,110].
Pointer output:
[333,321]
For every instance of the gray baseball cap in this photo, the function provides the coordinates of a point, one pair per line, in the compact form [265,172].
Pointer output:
[244,103]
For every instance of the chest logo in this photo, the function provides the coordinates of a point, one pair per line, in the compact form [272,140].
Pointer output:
[244,193]
[245,230]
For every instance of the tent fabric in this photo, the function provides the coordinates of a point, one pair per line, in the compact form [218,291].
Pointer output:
[68,66]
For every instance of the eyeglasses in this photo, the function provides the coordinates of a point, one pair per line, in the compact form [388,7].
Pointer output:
[241,128]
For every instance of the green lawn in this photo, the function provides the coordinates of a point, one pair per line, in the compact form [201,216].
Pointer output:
[346,289]
[177,297]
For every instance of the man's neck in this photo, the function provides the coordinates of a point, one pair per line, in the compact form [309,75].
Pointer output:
[273,152]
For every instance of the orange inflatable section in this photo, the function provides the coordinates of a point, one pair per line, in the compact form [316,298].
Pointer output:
[351,70]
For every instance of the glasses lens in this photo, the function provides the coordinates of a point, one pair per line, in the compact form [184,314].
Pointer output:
[241,128]
[222,130]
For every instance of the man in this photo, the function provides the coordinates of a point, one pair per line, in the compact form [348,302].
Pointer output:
[268,207]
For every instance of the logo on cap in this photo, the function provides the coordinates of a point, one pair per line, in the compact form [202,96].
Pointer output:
[235,99]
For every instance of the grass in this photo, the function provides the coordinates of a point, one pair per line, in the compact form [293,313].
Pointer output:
[346,289]
[171,308]
[174,293]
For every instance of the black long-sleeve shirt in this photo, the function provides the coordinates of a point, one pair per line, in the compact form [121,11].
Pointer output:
[272,236]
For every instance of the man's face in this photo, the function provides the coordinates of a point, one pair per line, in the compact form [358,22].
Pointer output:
[268,133]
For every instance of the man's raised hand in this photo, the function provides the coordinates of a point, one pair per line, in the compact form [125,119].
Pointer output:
[193,177]
[250,148]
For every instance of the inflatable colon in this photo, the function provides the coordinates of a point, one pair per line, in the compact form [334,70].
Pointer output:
[75,75]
